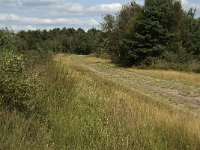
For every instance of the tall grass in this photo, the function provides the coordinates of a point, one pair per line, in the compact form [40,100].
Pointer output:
[20,133]
[187,78]
[80,110]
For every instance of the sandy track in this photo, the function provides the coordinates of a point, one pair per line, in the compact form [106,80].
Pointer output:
[146,84]
[177,93]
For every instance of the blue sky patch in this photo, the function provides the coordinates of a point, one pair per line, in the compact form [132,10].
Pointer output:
[41,14]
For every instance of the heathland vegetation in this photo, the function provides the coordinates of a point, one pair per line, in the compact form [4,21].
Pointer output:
[64,101]
[159,34]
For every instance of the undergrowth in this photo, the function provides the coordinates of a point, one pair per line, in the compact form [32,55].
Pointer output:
[79,110]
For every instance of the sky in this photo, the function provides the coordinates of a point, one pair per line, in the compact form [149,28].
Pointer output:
[47,14]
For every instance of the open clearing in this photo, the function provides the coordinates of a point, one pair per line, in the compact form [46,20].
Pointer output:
[182,90]
[89,103]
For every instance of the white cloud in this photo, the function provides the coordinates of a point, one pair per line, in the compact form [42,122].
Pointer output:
[31,3]
[18,28]
[184,2]
[29,27]
[70,21]
[58,21]
[189,4]
[29,14]
[8,17]
[46,21]
[93,22]
[63,5]
[69,6]
[12,3]
[106,7]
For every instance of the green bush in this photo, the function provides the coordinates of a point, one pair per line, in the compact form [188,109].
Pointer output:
[11,62]
[7,39]
[16,87]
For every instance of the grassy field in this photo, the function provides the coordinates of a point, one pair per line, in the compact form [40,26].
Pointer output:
[85,108]
[185,77]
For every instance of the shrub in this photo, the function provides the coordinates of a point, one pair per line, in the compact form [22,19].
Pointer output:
[7,39]
[16,87]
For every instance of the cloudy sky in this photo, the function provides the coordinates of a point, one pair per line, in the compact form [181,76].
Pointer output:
[41,14]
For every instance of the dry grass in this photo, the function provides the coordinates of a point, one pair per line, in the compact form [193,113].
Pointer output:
[187,78]
[85,111]
[131,121]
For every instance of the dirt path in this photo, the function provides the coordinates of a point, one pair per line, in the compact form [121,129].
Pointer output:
[176,93]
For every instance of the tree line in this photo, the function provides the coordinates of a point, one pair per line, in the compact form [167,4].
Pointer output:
[61,40]
[158,34]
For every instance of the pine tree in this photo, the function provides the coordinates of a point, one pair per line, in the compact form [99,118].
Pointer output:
[153,34]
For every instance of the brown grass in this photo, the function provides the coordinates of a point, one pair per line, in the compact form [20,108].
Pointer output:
[84,111]
[136,121]
[187,78]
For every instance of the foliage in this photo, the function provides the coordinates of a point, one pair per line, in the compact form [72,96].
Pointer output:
[7,39]
[146,35]
[159,31]
[85,111]
[191,35]
[16,87]
[71,108]
[61,40]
